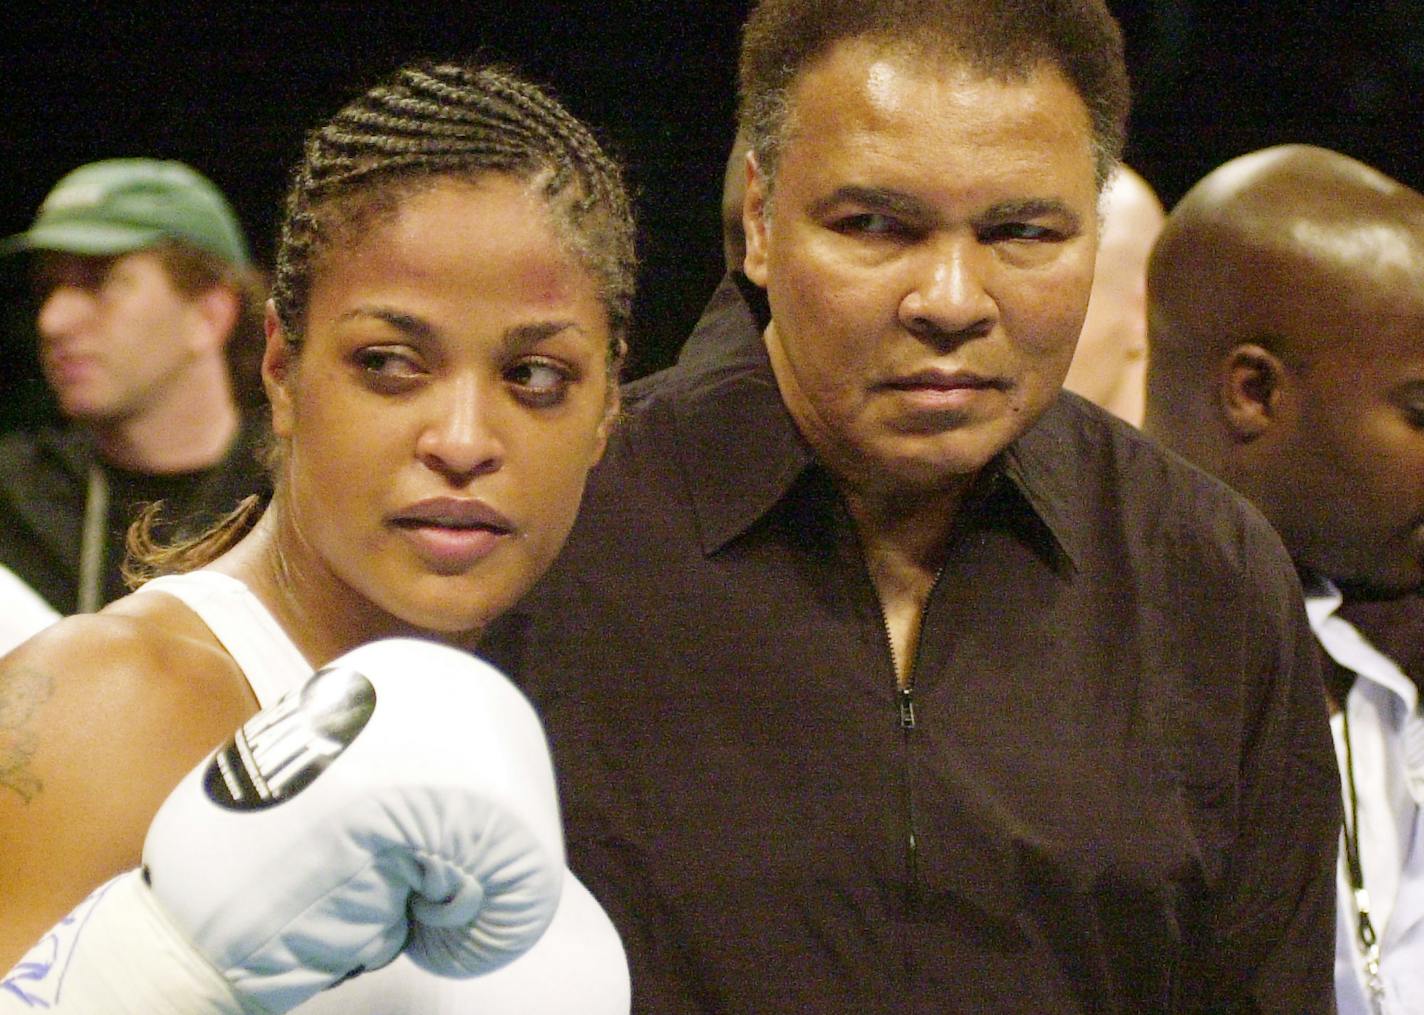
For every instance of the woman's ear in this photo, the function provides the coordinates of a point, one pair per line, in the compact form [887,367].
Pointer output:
[278,366]
[1251,391]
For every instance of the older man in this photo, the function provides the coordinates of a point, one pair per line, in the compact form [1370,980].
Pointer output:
[1287,357]
[880,677]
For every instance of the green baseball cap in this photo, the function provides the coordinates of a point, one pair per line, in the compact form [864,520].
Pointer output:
[117,206]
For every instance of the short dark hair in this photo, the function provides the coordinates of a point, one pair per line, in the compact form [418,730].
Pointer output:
[1001,38]
[436,120]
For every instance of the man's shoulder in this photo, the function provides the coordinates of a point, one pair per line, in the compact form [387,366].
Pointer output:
[700,394]
[1122,481]
[724,348]
[1084,444]
[38,463]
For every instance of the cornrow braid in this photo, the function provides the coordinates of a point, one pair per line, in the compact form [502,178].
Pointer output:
[434,120]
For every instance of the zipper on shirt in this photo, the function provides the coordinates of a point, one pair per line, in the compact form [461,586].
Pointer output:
[907,707]
[905,700]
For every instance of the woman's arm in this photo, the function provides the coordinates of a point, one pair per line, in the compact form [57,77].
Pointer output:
[402,800]
[100,717]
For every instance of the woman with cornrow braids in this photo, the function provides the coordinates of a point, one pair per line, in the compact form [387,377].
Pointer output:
[451,297]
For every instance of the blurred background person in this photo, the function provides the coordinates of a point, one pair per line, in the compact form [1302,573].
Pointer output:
[1286,303]
[149,324]
[1109,366]
[734,193]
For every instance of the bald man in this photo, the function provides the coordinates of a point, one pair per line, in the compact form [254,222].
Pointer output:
[1110,364]
[1286,310]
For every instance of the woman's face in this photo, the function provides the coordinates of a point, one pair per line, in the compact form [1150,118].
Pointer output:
[451,393]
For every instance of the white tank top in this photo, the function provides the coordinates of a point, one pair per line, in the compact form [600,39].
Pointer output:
[577,966]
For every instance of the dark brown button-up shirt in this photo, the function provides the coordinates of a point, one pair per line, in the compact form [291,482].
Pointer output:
[1110,787]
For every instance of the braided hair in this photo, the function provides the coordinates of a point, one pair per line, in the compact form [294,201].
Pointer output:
[425,123]
[438,120]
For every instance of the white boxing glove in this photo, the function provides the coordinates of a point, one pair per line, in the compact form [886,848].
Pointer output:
[402,799]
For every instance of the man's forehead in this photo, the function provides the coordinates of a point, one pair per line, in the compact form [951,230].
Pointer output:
[1368,271]
[890,66]
[53,267]
[1346,315]
[858,85]
[867,117]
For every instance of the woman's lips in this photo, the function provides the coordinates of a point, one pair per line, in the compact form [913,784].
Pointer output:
[452,534]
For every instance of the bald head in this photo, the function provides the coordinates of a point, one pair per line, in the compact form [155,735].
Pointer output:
[1109,365]
[1286,336]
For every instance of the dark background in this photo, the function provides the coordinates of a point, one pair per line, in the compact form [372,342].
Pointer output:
[232,90]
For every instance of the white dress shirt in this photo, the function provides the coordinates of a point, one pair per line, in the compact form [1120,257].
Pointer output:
[1387,748]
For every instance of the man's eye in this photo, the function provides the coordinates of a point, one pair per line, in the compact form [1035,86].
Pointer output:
[539,381]
[118,278]
[1018,231]
[872,223]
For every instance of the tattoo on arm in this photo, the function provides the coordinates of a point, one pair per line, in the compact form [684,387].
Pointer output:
[21,695]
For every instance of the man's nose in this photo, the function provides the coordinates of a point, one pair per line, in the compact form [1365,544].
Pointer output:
[64,309]
[948,292]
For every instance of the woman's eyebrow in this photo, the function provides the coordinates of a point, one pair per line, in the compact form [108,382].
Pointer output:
[407,324]
[524,336]
[514,339]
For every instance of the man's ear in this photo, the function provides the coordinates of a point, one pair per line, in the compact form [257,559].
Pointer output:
[754,207]
[1251,391]
[278,367]
[217,311]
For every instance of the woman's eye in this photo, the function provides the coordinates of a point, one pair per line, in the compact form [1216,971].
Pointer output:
[540,381]
[387,364]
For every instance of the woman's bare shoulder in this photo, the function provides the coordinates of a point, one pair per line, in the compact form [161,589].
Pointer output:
[143,661]
[100,717]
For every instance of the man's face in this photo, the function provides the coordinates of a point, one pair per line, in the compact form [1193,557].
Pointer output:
[114,334]
[1348,469]
[927,251]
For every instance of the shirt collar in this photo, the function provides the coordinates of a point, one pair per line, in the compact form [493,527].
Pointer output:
[1344,643]
[742,453]
[1047,473]
[736,443]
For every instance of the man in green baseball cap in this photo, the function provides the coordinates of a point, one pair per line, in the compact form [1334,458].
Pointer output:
[121,205]
[149,326]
